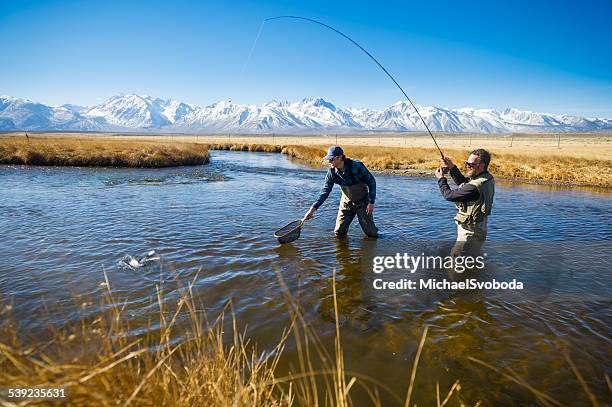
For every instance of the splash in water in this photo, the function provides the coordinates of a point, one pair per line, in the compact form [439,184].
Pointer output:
[132,263]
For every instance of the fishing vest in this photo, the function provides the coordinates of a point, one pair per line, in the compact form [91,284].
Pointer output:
[472,212]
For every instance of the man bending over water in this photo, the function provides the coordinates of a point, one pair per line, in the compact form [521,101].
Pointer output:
[358,193]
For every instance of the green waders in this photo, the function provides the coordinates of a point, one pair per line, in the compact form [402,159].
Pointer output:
[354,201]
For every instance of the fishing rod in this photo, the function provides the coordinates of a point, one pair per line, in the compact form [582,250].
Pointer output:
[374,59]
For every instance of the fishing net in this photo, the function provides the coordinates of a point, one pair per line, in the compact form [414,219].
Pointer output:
[289,232]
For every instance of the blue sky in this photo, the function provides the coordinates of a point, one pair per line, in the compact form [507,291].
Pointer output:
[551,56]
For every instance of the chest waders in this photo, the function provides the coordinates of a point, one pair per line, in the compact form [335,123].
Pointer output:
[355,193]
[354,201]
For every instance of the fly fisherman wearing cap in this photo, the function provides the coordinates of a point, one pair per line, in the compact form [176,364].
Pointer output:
[358,193]
[473,199]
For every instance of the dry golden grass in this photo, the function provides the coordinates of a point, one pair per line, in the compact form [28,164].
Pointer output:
[576,160]
[253,147]
[98,362]
[590,146]
[90,152]
[545,168]
[412,160]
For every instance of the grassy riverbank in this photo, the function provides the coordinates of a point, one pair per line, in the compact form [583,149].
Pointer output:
[580,160]
[91,152]
[545,168]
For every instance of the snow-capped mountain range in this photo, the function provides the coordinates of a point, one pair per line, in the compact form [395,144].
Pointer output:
[312,115]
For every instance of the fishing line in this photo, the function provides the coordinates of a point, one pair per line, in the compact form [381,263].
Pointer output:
[368,54]
[252,48]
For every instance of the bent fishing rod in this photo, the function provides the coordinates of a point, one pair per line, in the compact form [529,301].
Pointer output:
[374,59]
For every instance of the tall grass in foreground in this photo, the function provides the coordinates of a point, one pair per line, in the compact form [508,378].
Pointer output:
[86,152]
[98,362]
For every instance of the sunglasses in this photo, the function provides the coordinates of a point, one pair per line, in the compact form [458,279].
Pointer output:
[471,165]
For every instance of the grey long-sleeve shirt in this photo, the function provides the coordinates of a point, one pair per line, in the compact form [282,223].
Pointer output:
[465,193]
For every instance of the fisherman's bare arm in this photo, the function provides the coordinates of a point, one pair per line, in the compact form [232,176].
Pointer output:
[310,213]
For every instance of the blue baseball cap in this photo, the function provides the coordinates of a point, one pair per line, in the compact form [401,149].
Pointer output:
[334,151]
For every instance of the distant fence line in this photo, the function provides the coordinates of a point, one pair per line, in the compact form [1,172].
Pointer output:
[382,139]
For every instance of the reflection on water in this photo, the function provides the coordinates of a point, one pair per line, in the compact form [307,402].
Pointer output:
[62,227]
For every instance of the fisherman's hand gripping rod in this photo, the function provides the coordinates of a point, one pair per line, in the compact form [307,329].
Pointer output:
[374,59]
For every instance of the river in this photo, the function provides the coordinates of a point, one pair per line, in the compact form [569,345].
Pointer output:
[63,227]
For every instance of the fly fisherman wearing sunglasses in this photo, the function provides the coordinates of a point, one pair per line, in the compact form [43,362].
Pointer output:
[473,198]
[358,193]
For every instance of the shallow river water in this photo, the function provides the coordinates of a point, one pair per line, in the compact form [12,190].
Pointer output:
[63,227]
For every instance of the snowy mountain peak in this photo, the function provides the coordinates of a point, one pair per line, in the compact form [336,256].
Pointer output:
[126,112]
[318,102]
[73,108]
[222,103]
[139,111]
